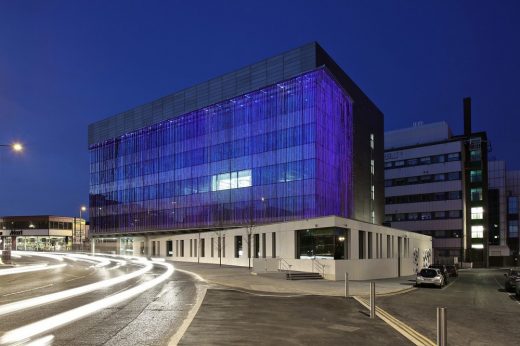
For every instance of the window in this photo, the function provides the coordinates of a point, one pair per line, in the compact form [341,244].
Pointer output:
[273,243]
[388,218]
[513,228]
[474,155]
[512,205]
[475,176]
[399,163]
[454,157]
[477,231]
[370,256]
[439,177]
[412,162]
[426,216]
[455,214]
[202,247]
[388,164]
[361,243]
[326,243]
[400,217]
[372,140]
[412,180]
[372,192]
[233,180]
[388,247]
[454,176]
[388,182]
[413,216]
[477,246]
[454,195]
[182,248]
[476,194]
[439,215]
[425,160]
[440,158]
[212,245]
[372,167]
[477,213]
[238,246]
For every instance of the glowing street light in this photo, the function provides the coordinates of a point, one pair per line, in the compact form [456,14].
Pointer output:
[16,146]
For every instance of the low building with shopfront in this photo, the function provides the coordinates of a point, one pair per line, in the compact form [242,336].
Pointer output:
[41,232]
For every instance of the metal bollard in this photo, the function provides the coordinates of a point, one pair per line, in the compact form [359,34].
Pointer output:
[346,285]
[372,299]
[442,327]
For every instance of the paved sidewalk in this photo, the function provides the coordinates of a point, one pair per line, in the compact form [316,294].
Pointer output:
[243,279]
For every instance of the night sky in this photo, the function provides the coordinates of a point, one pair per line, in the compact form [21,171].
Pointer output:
[65,64]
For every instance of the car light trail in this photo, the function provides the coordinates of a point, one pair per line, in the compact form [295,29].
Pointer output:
[32,268]
[53,297]
[39,254]
[64,318]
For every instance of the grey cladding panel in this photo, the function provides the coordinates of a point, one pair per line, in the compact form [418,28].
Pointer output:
[230,85]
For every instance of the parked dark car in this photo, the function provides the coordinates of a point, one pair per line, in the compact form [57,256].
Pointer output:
[430,276]
[443,270]
[452,271]
[511,276]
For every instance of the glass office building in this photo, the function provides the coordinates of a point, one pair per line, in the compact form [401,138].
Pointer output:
[280,150]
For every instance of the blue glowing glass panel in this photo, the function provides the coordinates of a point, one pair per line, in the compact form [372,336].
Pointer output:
[278,154]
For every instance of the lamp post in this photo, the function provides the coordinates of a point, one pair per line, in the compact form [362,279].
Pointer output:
[81,210]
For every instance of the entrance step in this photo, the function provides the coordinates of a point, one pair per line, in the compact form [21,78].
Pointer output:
[303,276]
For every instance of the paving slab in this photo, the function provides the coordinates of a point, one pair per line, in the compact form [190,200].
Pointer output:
[243,278]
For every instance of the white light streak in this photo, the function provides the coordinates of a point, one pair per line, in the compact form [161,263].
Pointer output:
[73,292]
[70,316]
[31,268]
[39,254]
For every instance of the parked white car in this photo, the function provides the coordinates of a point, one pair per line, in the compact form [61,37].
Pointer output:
[430,276]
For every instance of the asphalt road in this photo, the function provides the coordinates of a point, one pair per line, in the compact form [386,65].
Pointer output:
[480,312]
[150,318]
[229,317]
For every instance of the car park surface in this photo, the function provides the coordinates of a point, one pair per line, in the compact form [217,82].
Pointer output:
[479,310]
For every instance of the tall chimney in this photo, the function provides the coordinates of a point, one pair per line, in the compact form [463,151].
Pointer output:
[467,116]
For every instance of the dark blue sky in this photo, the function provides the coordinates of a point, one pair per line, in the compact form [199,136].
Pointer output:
[65,64]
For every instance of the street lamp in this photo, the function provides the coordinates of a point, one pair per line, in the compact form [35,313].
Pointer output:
[16,146]
[81,210]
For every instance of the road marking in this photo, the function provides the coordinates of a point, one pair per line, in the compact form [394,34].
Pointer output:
[401,327]
[201,293]
[29,290]
[77,277]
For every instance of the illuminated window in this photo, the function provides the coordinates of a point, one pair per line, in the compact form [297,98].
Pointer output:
[233,180]
[372,140]
[477,231]
[475,176]
[477,246]
[477,213]
[476,194]
[372,166]
[373,192]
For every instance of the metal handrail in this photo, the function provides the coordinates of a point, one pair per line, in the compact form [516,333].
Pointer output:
[320,267]
[284,265]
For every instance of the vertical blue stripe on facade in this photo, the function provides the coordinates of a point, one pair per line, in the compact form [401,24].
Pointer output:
[280,153]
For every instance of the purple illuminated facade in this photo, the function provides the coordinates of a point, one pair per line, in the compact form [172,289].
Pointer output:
[283,152]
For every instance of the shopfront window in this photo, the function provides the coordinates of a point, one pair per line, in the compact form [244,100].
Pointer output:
[326,243]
